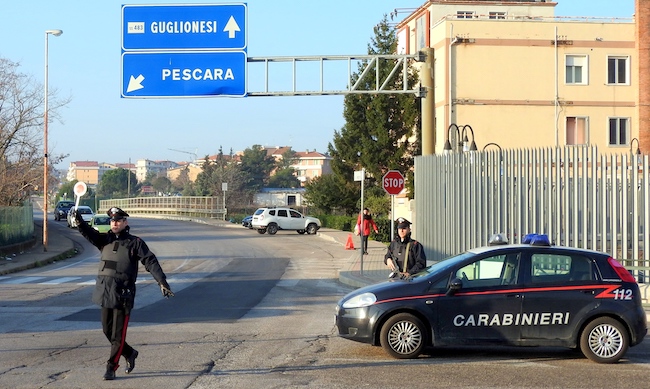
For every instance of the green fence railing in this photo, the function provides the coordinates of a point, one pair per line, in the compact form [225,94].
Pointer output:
[16,225]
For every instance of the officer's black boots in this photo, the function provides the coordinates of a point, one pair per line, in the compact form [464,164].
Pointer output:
[110,373]
[130,362]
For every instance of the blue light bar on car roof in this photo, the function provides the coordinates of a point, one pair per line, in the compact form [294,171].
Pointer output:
[540,240]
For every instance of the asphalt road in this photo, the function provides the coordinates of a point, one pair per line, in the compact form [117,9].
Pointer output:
[251,311]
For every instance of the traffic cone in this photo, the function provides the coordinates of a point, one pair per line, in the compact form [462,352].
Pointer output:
[349,245]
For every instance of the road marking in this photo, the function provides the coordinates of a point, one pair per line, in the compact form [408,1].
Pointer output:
[61,280]
[22,280]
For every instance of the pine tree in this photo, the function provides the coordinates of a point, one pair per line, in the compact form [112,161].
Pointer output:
[381,132]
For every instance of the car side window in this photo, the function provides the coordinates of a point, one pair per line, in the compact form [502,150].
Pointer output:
[295,214]
[272,212]
[552,268]
[491,271]
[282,213]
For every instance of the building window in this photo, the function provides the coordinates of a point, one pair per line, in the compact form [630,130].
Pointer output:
[618,70]
[619,128]
[465,14]
[577,131]
[576,69]
[497,15]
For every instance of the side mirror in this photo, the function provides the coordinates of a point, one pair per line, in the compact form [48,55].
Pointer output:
[454,286]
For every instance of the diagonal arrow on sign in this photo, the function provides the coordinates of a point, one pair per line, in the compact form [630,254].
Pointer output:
[135,83]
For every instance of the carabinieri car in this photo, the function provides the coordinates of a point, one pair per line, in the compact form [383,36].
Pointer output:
[532,294]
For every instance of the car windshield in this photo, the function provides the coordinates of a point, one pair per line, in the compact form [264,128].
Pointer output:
[443,265]
[259,211]
[84,211]
[101,220]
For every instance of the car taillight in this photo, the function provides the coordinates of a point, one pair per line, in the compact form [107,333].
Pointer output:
[622,272]
[260,217]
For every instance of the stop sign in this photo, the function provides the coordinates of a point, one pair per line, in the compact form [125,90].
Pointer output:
[393,182]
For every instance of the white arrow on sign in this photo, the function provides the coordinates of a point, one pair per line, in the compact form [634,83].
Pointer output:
[135,83]
[231,27]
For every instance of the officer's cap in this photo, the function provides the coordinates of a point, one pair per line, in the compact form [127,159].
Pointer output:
[403,223]
[116,213]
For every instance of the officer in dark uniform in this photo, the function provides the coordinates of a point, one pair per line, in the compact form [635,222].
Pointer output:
[115,287]
[407,254]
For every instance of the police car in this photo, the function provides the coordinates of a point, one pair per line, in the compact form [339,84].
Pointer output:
[531,294]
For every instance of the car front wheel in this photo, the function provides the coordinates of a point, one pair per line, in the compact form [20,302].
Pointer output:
[403,336]
[311,229]
[604,340]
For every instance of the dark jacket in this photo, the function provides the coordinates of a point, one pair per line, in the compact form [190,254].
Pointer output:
[118,269]
[417,260]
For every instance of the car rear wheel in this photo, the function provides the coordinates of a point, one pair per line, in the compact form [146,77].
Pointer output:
[261,231]
[403,336]
[311,229]
[272,228]
[604,340]
[301,232]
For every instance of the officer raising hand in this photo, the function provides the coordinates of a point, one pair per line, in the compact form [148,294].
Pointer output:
[115,286]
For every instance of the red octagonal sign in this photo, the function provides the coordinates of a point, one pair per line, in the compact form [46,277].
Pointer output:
[393,182]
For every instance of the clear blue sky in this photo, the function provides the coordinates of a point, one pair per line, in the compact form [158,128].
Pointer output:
[100,126]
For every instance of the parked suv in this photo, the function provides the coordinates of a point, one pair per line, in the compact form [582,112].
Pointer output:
[274,219]
[61,209]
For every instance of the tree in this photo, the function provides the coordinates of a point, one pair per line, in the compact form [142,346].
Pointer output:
[285,175]
[224,170]
[162,184]
[21,134]
[331,191]
[381,131]
[115,183]
[258,166]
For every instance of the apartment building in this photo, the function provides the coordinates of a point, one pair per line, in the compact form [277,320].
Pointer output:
[91,172]
[308,164]
[521,77]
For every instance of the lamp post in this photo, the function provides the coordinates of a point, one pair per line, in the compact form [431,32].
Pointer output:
[638,150]
[492,144]
[472,146]
[447,148]
[45,162]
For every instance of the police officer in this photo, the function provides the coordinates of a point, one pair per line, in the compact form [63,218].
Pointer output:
[407,253]
[115,286]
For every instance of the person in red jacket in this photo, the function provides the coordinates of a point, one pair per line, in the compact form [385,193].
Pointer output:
[364,228]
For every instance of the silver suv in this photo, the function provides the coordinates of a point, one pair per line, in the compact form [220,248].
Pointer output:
[274,219]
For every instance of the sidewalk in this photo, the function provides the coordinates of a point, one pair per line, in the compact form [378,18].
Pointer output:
[58,248]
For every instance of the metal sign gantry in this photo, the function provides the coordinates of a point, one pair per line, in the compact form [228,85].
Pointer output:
[365,65]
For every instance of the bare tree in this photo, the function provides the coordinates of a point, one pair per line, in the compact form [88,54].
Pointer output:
[21,134]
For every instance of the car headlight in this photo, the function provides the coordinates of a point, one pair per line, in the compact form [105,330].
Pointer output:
[359,301]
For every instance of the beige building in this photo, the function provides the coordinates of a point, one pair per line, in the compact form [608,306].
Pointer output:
[308,164]
[86,171]
[91,172]
[520,77]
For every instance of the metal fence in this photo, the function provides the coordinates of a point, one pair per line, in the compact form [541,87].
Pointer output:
[186,206]
[16,225]
[573,194]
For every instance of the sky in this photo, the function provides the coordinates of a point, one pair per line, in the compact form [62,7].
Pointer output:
[99,125]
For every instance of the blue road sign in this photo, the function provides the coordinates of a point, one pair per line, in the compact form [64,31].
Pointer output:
[184,27]
[183,74]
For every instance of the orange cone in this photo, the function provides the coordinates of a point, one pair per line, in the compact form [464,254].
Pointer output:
[349,245]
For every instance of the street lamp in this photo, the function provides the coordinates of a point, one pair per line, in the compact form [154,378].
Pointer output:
[45,163]
[638,150]
[472,146]
[447,148]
